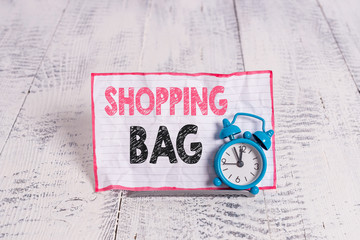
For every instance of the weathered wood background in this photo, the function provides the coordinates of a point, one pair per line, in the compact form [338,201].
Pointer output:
[48,50]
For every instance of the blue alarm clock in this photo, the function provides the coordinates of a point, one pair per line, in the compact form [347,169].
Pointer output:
[241,162]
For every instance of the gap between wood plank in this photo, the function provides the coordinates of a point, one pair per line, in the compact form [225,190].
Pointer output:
[301,216]
[118,215]
[147,17]
[267,215]
[139,64]
[337,43]
[238,28]
[243,62]
[32,81]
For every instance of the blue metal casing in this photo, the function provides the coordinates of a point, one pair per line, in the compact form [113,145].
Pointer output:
[261,140]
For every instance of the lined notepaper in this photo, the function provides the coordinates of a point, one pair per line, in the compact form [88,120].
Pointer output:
[245,92]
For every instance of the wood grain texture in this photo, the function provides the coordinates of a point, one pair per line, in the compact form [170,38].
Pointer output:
[188,36]
[46,175]
[26,30]
[317,111]
[343,19]
[48,50]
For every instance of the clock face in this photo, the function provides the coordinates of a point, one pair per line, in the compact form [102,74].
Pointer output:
[241,164]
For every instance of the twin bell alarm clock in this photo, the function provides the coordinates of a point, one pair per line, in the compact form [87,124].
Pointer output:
[241,162]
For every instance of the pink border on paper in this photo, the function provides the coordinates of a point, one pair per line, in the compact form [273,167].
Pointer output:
[97,189]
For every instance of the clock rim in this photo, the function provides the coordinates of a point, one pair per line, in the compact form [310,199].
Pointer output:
[217,164]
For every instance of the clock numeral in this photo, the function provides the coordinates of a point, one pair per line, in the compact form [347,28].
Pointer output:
[256,166]
[237,179]
[242,148]
[223,160]
[230,176]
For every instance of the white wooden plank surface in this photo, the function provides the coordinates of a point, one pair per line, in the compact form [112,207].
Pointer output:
[26,30]
[46,177]
[343,19]
[317,118]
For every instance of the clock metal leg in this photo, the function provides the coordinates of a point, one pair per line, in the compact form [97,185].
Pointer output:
[254,190]
[217,182]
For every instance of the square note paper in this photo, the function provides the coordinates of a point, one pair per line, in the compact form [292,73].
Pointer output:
[160,131]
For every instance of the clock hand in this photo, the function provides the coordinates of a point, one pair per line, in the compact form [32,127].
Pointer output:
[241,152]
[239,163]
